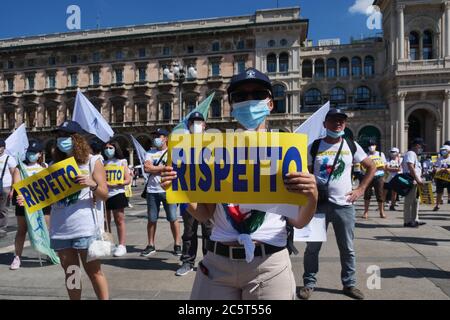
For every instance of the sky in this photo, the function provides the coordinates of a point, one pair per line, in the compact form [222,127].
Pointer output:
[328,18]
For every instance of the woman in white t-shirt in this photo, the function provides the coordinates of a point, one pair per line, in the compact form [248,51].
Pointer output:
[72,224]
[33,164]
[117,201]
[393,168]
[247,257]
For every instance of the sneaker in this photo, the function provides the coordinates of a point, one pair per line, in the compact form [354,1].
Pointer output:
[15,265]
[148,251]
[421,223]
[130,205]
[436,208]
[411,225]
[305,293]
[120,251]
[392,208]
[354,293]
[184,269]
[177,250]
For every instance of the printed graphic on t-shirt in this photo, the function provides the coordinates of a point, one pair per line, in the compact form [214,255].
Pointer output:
[327,165]
[244,222]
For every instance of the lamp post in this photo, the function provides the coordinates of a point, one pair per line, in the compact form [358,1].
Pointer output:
[180,77]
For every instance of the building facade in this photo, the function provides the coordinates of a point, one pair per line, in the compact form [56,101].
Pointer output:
[148,76]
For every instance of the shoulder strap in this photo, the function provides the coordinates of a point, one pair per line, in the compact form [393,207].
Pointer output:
[335,161]
[4,168]
[351,145]
[161,158]
[313,152]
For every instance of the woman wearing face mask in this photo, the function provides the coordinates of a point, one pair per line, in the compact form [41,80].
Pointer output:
[117,202]
[443,163]
[33,164]
[393,168]
[231,269]
[72,224]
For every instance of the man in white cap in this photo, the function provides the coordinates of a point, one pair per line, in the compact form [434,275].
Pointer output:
[393,168]
[443,163]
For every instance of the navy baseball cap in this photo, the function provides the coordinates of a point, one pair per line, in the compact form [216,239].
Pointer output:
[70,127]
[2,143]
[35,146]
[336,112]
[250,76]
[418,141]
[161,132]
[196,116]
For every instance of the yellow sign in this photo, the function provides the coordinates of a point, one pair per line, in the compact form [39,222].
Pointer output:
[128,191]
[114,174]
[426,193]
[246,167]
[434,159]
[443,174]
[49,185]
[379,164]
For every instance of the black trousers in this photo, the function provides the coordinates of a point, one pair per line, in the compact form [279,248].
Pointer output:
[190,239]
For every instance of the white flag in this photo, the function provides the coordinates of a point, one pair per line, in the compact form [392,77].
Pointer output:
[17,143]
[141,153]
[313,126]
[90,119]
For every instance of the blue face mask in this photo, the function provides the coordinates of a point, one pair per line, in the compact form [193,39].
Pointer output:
[158,142]
[65,145]
[32,157]
[444,153]
[250,114]
[109,153]
[334,134]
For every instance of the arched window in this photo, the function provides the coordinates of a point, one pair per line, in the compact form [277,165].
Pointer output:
[307,69]
[166,111]
[331,68]
[142,112]
[30,114]
[313,96]
[118,113]
[284,62]
[344,67]
[52,116]
[414,46]
[356,66]
[427,45]
[369,66]
[368,133]
[362,94]
[283,42]
[279,98]
[337,95]
[271,62]
[319,67]
[271,43]
[216,109]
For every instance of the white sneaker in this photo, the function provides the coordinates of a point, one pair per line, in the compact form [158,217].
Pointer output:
[120,251]
[15,265]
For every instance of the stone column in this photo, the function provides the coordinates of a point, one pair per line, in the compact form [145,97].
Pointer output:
[447,115]
[447,29]
[401,31]
[401,122]
[131,159]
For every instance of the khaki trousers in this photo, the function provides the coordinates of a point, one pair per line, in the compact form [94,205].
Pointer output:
[411,209]
[265,278]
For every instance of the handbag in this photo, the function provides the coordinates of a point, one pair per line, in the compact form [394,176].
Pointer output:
[144,192]
[103,245]
[3,174]
[402,184]
[323,188]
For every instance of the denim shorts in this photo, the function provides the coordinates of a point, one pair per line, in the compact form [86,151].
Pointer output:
[153,205]
[77,243]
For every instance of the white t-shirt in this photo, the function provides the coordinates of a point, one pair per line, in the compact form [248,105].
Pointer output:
[73,217]
[393,163]
[32,169]
[7,178]
[154,181]
[115,190]
[271,231]
[411,157]
[341,180]
[380,162]
[442,163]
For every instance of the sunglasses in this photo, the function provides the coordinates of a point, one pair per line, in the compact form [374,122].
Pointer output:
[240,96]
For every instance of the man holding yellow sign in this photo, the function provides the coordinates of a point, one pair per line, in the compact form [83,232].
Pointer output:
[248,245]
[117,176]
[442,175]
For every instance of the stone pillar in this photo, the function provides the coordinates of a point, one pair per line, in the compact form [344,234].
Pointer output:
[131,159]
[447,115]
[447,29]
[401,31]
[401,122]
[19,115]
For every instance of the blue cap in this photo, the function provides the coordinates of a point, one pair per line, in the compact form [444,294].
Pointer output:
[2,143]
[70,127]
[196,116]
[250,76]
[161,132]
[35,146]
[336,112]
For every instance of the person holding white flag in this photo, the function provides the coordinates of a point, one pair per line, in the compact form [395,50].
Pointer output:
[87,116]
[7,166]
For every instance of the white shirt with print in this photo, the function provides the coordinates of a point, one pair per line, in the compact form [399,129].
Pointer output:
[7,178]
[341,181]
[154,180]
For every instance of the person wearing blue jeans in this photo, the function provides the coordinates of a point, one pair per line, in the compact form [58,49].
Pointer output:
[331,161]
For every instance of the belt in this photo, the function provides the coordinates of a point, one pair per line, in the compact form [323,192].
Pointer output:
[238,253]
